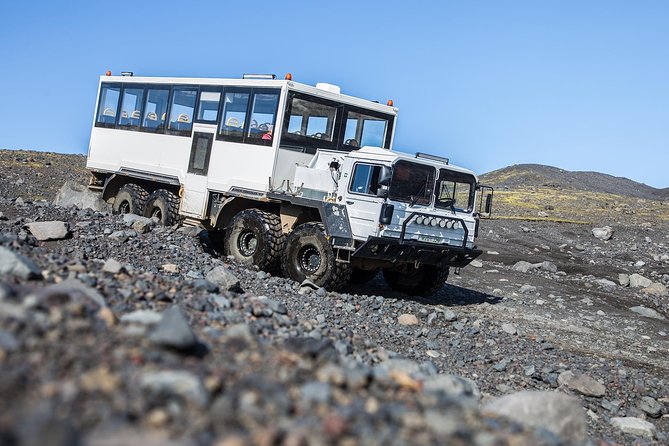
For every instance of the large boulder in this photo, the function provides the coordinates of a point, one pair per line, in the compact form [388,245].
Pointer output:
[556,412]
[74,194]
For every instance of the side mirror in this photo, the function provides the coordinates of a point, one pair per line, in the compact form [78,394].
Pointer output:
[385,175]
[386,216]
[382,192]
[488,204]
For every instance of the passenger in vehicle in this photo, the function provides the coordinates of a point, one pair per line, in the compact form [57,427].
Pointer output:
[270,131]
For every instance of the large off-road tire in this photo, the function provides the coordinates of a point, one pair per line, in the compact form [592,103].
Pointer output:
[362,276]
[164,205]
[130,199]
[309,255]
[422,281]
[254,237]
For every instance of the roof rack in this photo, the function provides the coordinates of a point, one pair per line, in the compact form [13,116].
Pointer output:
[427,156]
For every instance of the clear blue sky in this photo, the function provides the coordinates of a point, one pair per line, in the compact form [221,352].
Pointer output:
[582,85]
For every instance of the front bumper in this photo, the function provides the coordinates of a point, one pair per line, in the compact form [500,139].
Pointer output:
[404,251]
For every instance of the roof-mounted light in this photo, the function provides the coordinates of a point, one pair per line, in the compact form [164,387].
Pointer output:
[390,103]
[108,73]
[259,76]
[289,77]
[127,73]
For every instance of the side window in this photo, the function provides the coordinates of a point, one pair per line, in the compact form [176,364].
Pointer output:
[131,106]
[365,130]
[263,118]
[155,109]
[108,104]
[365,179]
[312,119]
[208,109]
[235,107]
[182,109]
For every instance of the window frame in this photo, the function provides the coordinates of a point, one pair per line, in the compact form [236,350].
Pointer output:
[303,142]
[141,107]
[98,112]
[252,91]
[353,169]
[208,89]
[365,111]
[147,88]
[459,177]
[174,88]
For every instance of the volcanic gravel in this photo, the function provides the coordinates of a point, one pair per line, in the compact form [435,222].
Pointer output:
[140,333]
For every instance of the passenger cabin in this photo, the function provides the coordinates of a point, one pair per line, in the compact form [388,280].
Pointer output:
[231,136]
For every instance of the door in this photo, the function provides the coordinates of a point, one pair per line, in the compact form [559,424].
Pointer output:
[362,204]
[194,198]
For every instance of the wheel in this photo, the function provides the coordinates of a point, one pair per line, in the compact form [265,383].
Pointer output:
[421,281]
[164,205]
[254,237]
[361,276]
[309,255]
[130,199]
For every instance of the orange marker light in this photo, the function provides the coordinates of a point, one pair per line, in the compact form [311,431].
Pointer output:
[289,77]
[390,102]
[108,73]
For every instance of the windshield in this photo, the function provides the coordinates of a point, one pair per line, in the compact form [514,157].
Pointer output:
[455,190]
[412,183]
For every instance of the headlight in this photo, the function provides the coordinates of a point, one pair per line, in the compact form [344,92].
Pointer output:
[434,222]
[456,225]
[442,223]
[449,224]
[419,220]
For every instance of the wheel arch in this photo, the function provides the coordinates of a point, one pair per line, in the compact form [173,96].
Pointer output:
[116,182]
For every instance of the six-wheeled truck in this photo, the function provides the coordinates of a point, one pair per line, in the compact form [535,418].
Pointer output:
[300,180]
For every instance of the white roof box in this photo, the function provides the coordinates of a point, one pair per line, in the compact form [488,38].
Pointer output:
[328,87]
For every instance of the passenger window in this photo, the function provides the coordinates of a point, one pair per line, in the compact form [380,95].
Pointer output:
[155,108]
[130,107]
[108,104]
[208,109]
[365,130]
[182,110]
[365,179]
[312,119]
[235,106]
[263,114]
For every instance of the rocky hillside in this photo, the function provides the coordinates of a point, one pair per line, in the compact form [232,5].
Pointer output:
[536,175]
[114,330]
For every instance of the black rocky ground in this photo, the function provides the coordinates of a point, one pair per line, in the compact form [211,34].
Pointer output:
[124,340]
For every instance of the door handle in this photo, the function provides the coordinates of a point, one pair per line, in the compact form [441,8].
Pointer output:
[349,202]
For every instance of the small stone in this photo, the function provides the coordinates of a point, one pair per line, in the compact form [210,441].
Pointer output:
[523,266]
[549,266]
[170,268]
[173,331]
[634,426]
[528,289]
[476,263]
[581,383]
[449,315]
[173,383]
[452,385]
[407,319]
[650,406]
[603,233]
[223,278]
[502,365]
[580,247]
[639,264]
[656,289]
[638,281]
[48,230]
[16,265]
[141,317]
[509,329]
[623,279]
[647,312]
[606,283]
[112,266]
[8,342]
